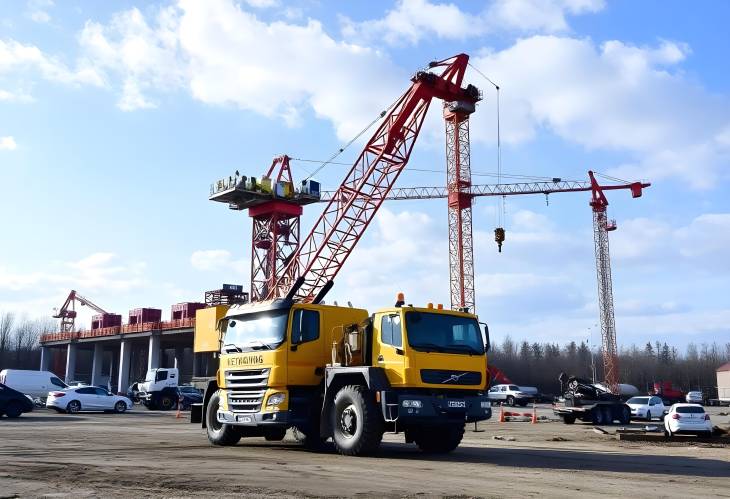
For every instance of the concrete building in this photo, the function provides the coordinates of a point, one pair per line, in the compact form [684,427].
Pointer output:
[122,356]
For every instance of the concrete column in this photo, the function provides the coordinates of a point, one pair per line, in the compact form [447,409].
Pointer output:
[70,362]
[179,353]
[125,354]
[153,353]
[96,363]
[45,358]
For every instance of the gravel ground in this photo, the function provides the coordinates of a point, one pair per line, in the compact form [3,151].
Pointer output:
[152,454]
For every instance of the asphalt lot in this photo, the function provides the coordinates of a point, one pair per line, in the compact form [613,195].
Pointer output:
[152,454]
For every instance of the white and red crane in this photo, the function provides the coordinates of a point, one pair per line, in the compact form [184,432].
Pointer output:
[67,311]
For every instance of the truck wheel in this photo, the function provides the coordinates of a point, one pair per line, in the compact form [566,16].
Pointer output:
[439,439]
[608,415]
[625,417]
[13,410]
[219,433]
[357,425]
[511,401]
[166,403]
[274,434]
[569,419]
[597,416]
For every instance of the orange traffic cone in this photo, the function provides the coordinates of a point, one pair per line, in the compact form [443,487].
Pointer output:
[501,413]
[534,415]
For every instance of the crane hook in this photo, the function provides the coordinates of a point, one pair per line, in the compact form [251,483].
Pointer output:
[499,237]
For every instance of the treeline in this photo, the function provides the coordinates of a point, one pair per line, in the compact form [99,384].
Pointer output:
[19,336]
[540,364]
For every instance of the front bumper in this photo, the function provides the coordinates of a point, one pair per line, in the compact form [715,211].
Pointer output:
[434,409]
[280,418]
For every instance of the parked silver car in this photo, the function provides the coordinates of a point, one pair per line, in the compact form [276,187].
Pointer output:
[510,395]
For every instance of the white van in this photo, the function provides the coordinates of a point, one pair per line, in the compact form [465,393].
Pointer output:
[33,383]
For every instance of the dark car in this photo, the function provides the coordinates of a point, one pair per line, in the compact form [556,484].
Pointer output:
[190,395]
[13,403]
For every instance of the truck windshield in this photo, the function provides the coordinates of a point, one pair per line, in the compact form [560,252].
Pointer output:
[446,333]
[261,331]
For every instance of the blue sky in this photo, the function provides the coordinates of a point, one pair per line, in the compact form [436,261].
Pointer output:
[116,117]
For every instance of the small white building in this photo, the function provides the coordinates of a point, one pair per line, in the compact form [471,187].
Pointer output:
[723,382]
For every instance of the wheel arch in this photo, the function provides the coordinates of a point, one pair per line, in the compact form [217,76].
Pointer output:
[373,378]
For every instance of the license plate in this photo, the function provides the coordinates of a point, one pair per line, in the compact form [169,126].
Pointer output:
[457,403]
[244,419]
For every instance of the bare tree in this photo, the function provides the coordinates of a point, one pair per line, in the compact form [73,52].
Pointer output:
[7,319]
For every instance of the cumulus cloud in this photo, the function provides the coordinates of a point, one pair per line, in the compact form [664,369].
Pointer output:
[37,10]
[16,57]
[217,260]
[413,20]
[224,55]
[7,144]
[615,97]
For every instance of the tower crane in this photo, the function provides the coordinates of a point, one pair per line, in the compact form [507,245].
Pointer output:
[67,312]
[601,226]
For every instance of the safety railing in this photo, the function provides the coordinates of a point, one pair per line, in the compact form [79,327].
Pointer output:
[119,330]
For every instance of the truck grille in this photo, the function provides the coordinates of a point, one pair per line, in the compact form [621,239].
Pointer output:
[247,379]
[245,400]
[439,377]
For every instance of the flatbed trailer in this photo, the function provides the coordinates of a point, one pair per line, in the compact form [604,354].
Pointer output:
[598,412]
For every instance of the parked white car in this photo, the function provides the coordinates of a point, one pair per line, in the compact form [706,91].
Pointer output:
[87,398]
[687,418]
[510,395]
[694,398]
[648,407]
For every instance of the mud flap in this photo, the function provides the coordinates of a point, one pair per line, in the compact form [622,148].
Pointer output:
[196,413]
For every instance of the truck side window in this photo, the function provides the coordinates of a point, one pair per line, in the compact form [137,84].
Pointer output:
[305,326]
[161,376]
[390,333]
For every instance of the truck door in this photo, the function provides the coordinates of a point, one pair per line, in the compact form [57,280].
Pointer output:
[388,351]
[306,352]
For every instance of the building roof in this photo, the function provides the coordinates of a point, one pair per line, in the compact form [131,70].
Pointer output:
[724,367]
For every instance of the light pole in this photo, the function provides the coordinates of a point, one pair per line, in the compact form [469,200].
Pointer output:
[590,346]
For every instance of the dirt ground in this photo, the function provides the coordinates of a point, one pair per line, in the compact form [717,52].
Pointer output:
[152,454]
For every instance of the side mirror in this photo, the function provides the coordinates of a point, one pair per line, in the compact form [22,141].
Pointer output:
[487,342]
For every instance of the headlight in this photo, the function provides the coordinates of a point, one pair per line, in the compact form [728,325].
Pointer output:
[276,399]
[412,403]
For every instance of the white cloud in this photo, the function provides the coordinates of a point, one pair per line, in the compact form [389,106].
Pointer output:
[226,56]
[7,144]
[615,97]
[218,260]
[17,58]
[37,10]
[412,20]
[97,272]
[263,4]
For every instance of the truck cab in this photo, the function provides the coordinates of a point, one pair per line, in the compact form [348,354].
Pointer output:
[159,388]
[340,373]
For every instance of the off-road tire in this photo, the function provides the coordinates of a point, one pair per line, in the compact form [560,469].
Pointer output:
[219,433]
[13,410]
[569,419]
[357,425]
[439,439]
[274,434]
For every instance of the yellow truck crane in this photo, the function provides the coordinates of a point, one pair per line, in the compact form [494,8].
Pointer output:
[289,361]
[337,372]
